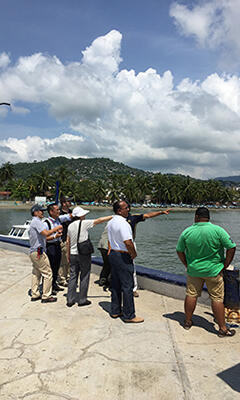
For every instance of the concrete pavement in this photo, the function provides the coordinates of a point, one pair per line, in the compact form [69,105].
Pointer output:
[52,352]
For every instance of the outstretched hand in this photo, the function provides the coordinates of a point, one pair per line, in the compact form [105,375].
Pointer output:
[167,211]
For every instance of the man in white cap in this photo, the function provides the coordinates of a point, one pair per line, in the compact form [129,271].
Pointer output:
[79,263]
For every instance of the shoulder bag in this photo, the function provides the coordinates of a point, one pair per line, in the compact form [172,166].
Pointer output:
[84,248]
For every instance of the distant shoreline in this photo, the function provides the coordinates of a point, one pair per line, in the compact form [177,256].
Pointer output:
[27,206]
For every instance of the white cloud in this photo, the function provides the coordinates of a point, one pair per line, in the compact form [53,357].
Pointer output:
[213,23]
[140,119]
[196,21]
[4,60]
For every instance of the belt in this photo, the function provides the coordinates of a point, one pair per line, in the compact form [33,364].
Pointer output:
[120,251]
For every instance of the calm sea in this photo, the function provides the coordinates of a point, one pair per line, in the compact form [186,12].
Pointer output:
[156,238]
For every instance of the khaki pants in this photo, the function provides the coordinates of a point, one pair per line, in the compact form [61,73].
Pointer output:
[41,267]
[64,269]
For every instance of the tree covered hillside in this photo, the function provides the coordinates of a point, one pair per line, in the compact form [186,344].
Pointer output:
[101,179]
[81,168]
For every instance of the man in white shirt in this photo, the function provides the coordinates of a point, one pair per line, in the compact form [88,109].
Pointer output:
[122,253]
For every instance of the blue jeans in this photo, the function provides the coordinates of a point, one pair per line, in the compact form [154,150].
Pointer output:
[122,284]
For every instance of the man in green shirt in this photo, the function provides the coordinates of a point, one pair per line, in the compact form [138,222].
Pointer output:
[201,249]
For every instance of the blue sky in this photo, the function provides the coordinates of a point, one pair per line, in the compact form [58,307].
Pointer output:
[152,84]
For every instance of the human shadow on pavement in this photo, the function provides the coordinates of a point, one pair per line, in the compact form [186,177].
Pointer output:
[197,321]
[231,377]
[106,306]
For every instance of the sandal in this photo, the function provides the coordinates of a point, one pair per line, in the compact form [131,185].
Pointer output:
[187,325]
[228,332]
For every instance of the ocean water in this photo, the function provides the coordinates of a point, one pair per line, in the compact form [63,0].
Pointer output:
[156,237]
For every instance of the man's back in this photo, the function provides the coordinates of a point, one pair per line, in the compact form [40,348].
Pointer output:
[204,245]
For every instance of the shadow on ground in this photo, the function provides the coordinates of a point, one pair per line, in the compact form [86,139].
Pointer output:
[197,321]
[231,377]
[106,306]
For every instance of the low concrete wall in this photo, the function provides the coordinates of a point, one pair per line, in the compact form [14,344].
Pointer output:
[164,283]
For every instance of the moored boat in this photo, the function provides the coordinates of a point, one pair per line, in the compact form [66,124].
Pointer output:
[17,239]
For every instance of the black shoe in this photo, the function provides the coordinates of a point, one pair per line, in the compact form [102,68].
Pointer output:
[102,281]
[49,300]
[57,288]
[86,303]
[70,304]
[36,298]
[54,293]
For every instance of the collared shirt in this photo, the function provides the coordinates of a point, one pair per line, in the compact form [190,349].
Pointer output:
[119,231]
[65,224]
[203,244]
[36,239]
[56,222]
[133,220]
[103,242]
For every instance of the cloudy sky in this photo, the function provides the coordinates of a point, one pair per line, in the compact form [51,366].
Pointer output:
[153,84]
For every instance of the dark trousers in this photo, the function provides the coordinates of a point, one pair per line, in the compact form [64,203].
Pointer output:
[54,254]
[106,269]
[122,284]
[79,264]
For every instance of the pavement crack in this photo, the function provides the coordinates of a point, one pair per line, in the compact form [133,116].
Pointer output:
[181,370]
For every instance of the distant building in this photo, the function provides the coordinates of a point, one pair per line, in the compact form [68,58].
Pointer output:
[4,195]
[40,200]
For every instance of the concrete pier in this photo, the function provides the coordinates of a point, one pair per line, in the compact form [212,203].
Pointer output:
[51,352]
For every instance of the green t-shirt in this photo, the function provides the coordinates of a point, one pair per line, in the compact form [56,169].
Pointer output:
[203,244]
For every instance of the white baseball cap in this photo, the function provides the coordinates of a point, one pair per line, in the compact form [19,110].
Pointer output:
[79,212]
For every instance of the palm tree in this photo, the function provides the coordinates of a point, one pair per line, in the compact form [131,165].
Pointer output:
[113,195]
[20,190]
[7,172]
[99,190]
[144,187]
[32,187]
[45,182]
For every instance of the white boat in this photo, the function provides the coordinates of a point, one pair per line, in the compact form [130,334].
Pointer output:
[17,239]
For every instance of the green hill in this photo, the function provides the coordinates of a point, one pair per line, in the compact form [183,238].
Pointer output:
[83,168]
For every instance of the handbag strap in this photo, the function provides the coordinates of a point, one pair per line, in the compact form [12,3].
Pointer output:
[79,229]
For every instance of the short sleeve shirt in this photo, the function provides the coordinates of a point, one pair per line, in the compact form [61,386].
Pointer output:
[53,223]
[103,242]
[73,233]
[203,244]
[36,239]
[65,224]
[119,231]
[133,220]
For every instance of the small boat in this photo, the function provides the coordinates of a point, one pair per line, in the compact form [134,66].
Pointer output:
[17,239]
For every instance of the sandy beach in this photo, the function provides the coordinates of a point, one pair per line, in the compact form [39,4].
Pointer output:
[27,206]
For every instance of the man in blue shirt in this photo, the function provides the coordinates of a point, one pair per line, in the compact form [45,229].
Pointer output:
[54,251]
[40,262]
[64,269]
